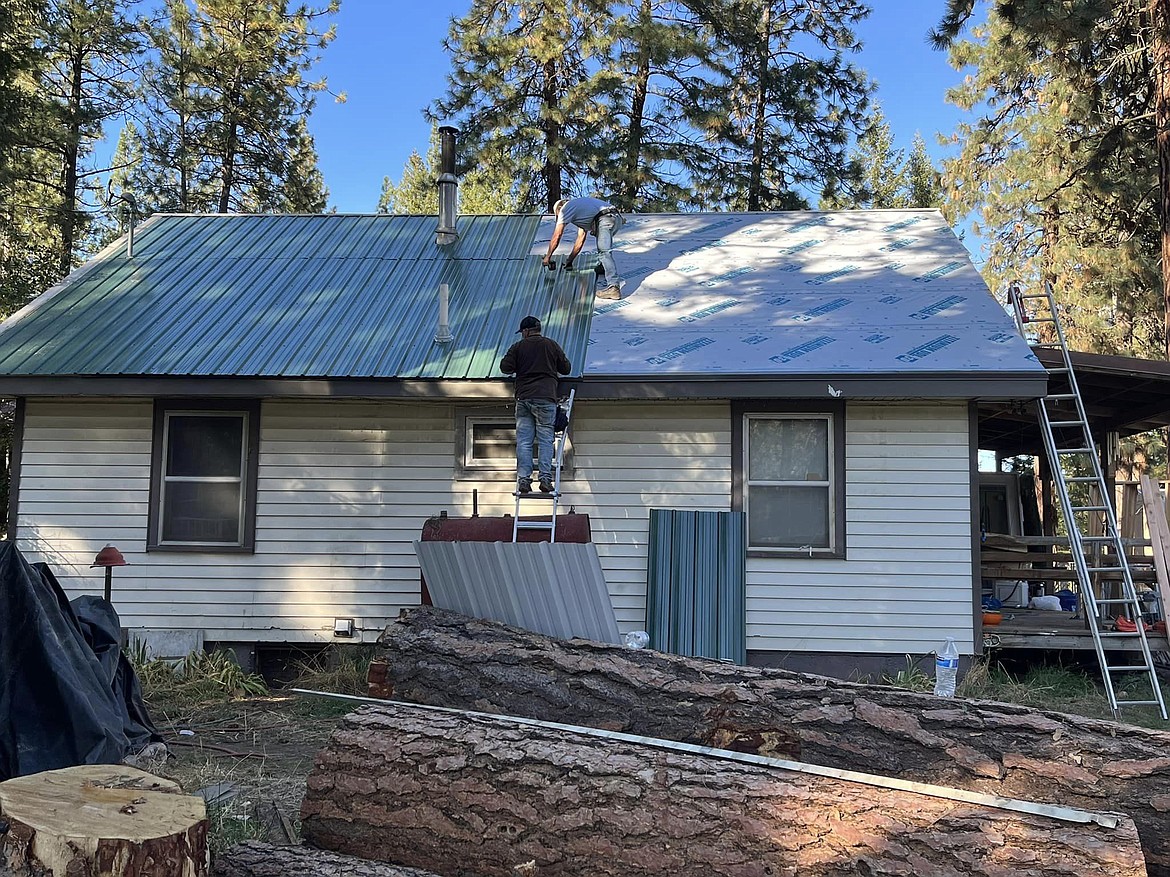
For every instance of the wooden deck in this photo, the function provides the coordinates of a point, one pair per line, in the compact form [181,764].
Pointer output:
[1047,629]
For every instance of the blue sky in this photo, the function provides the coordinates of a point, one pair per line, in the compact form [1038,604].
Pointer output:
[388,58]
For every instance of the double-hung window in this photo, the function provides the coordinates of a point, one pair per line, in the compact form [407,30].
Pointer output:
[790,481]
[203,476]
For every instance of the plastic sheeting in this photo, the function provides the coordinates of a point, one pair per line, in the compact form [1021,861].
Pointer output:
[68,695]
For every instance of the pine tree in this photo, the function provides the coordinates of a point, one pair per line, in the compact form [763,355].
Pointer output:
[304,187]
[1060,188]
[876,173]
[784,103]
[485,188]
[923,182]
[528,84]
[1106,66]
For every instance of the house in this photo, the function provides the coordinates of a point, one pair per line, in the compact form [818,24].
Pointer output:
[255,410]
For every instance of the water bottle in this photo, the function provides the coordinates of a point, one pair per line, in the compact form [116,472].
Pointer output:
[946,668]
[636,639]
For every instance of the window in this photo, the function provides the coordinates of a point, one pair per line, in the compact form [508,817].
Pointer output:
[789,480]
[203,477]
[486,443]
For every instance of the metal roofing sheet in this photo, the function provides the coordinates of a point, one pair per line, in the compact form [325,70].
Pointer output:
[342,296]
[300,296]
[552,588]
[798,293]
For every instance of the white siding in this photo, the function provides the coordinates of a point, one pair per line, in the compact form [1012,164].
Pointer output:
[906,581]
[344,488]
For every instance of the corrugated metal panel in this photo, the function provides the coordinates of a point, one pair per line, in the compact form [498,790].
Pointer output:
[695,594]
[301,296]
[801,292]
[552,588]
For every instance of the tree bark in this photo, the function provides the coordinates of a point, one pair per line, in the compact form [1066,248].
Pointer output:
[103,820]
[1160,56]
[475,795]
[256,859]
[441,658]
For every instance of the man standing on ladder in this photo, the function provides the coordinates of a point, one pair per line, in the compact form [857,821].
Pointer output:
[536,361]
[589,215]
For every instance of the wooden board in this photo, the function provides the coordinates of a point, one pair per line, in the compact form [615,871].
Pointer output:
[1159,539]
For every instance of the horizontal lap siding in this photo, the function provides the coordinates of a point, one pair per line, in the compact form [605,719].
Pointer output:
[345,487]
[906,581]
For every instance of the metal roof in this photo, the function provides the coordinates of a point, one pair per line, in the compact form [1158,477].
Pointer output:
[298,296]
[799,293]
[852,295]
[555,588]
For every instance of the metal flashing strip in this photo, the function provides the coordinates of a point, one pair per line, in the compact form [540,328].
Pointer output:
[1052,811]
[557,589]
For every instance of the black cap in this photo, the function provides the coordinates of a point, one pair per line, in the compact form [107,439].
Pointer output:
[528,323]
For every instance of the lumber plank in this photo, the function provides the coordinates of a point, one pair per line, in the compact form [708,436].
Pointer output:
[1160,541]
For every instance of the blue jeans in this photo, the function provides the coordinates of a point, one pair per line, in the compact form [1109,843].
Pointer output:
[534,422]
[607,226]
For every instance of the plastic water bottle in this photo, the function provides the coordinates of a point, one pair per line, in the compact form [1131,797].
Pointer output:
[636,639]
[946,668]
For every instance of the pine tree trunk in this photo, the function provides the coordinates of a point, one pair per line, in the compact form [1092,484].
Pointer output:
[1160,54]
[100,821]
[441,658]
[256,859]
[462,795]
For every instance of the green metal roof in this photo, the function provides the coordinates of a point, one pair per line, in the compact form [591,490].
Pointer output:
[299,297]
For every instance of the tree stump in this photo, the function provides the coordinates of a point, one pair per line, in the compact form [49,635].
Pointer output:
[255,859]
[100,821]
[441,658]
[466,795]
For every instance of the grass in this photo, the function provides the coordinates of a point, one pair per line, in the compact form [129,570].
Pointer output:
[1059,689]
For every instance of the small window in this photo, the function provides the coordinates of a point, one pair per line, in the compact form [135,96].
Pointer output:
[203,477]
[789,482]
[487,444]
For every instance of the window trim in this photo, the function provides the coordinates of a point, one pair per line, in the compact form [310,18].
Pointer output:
[740,409]
[505,415]
[250,411]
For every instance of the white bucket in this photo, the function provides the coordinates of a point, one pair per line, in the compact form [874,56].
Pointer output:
[1011,593]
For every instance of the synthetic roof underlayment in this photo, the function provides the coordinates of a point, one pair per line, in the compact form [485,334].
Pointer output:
[712,295]
[798,293]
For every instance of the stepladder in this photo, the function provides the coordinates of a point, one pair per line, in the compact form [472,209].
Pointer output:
[1109,599]
[539,500]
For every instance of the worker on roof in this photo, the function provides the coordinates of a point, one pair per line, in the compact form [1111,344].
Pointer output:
[590,215]
[536,361]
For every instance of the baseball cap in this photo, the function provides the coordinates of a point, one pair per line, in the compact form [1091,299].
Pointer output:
[528,323]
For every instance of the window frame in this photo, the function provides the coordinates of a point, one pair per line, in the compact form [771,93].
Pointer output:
[249,411]
[834,413]
[505,468]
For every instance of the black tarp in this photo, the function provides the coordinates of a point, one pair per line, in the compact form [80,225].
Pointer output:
[68,695]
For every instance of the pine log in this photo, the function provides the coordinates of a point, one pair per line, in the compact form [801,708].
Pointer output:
[435,657]
[473,795]
[100,820]
[256,859]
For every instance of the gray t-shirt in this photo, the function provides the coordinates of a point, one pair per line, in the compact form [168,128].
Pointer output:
[582,212]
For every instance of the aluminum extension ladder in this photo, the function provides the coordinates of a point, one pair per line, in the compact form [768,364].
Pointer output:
[554,498]
[1069,444]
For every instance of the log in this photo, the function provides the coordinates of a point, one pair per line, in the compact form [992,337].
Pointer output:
[471,794]
[256,859]
[434,657]
[101,820]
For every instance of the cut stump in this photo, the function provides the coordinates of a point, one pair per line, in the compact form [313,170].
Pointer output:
[465,795]
[441,658]
[100,821]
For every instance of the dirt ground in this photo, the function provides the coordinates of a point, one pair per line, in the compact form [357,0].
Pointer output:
[249,758]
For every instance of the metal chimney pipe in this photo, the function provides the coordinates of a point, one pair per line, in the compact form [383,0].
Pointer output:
[446,234]
[443,335]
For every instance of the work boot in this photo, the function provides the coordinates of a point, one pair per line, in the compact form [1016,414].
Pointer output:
[546,486]
[524,485]
[610,293]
